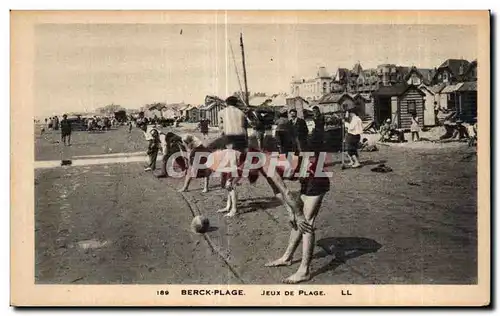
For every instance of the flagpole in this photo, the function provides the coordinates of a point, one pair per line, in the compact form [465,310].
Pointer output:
[244,68]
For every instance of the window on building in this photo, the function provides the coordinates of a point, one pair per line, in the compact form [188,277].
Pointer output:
[445,77]
[415,80]
[324,87]
[412,107]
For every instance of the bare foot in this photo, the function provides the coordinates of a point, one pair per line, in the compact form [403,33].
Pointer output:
[231,213]
[278,263]
[181,190]
[297,277]
[223,210]
[204,190]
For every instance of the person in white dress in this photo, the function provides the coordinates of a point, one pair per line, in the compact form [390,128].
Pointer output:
[415,127]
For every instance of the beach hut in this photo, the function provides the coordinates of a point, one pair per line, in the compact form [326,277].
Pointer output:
[467,101]
[336,102]
[399,102]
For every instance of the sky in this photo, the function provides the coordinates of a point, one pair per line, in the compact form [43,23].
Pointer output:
[80,67]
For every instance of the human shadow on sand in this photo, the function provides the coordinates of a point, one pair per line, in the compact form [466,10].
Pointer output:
[372,162]
[257,204]
[343,249]
[212,229]
[363,163]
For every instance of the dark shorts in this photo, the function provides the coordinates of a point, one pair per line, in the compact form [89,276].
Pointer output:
[316,142]
[352,142]
[314,186]
[65,133]
[236,142]
[284,142]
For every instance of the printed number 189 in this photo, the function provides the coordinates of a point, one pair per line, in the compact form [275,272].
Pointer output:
[162,292]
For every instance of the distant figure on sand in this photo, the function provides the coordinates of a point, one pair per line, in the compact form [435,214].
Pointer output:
[203,126]
[153,147]
[300,131]
[316,141]
[284,134]
[65,130]
[354,131]
[414,128]
[56,123]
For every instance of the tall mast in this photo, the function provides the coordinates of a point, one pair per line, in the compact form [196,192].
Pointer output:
[244,68]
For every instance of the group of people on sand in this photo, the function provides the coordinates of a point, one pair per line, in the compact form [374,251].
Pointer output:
[291,136]
[98,123]
[454,131]
[53,123]
[233,125]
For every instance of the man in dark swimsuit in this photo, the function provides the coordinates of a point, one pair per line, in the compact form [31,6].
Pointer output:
[313,188]
[65,130]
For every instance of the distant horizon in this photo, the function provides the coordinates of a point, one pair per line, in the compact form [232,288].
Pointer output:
[81,67]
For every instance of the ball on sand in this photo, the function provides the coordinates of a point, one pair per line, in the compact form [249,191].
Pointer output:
[200,224]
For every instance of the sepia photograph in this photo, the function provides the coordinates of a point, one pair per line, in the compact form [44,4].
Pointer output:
[250,158]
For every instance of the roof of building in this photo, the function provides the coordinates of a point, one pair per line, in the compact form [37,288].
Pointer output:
[258,100]
[403,70]
[278,100]
[452,88]
[357,69]
[395,90]
[333,97]
[425,73]
[423,86]
[295,98]
[437,88]
[359,95]
[471,66]
[269,100]
[454,65]
[468,86]
[341,74]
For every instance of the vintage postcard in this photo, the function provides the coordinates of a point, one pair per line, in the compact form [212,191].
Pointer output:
[250,158]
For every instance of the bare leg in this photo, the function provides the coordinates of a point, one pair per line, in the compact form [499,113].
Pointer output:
[351,162]
[205,185]
[233,197]
[289,210]
[187,181]
[228,205]
[279,187]
[356,163]
[293,243]
[312,205]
